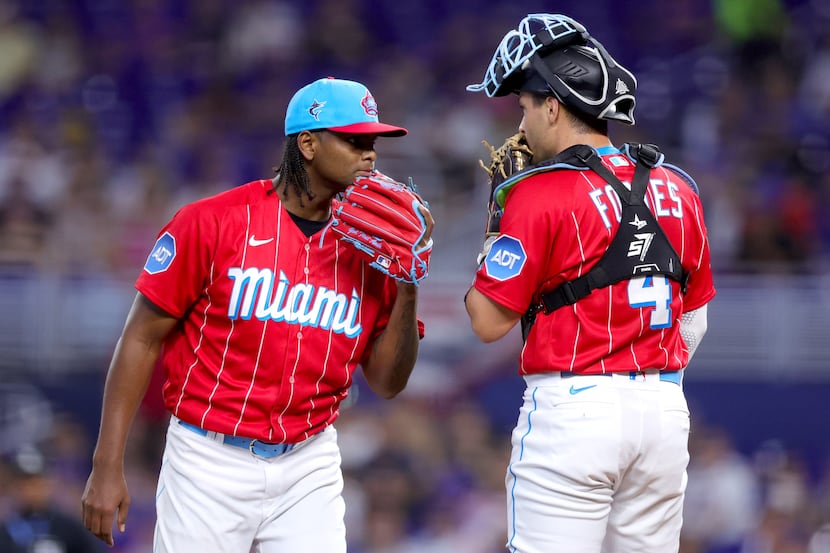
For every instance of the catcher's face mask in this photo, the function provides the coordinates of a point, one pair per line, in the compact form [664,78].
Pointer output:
[554,55]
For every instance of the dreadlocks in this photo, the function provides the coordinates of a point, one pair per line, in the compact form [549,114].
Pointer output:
[291,171]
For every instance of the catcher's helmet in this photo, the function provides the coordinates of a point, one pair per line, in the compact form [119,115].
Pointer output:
[554,55]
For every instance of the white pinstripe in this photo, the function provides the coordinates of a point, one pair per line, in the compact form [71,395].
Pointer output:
[230,331]
[264,326]
[296,360]
[642,316]
[360,319]
[198,345]
[608,293]
[328,342]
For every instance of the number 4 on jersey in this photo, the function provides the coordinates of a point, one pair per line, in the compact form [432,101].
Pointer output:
[652,291]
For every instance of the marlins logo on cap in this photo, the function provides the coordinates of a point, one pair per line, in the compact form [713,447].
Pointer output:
[315,109]
[337,105]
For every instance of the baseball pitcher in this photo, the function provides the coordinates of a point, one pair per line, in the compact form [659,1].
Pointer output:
[261,312]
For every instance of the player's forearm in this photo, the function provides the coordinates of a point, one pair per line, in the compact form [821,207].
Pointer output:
[126,384]
[693,325]
[129,375]
[396,349]
[488,320]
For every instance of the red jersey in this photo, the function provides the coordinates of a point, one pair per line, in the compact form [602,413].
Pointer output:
[556,226]
[273,323]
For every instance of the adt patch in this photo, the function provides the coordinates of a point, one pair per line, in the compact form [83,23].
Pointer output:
[162,255]
[506,258]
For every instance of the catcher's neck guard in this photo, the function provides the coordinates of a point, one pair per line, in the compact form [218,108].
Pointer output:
[554,55]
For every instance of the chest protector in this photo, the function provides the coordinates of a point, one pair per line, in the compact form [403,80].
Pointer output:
[640,246]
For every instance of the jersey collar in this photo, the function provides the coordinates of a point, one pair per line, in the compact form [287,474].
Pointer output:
[608,150]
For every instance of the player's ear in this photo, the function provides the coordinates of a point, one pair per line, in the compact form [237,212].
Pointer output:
[552,106]
[307,144]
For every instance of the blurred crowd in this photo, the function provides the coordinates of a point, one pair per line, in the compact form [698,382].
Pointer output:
[114,113]
[427,478]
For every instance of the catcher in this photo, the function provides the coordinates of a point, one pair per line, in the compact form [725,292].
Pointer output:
[602,257]
[261,316]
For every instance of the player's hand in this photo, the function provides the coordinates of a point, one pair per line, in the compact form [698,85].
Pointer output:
[430,224]
[105,495]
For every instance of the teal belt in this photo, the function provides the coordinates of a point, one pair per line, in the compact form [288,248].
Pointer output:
[260,449]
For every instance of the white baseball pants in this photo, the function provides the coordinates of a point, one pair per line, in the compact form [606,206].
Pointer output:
[217,498]
[598,465]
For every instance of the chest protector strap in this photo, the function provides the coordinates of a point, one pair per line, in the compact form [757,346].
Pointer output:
[639,248]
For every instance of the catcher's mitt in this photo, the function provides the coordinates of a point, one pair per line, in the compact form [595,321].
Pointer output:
[381,218]
[513,156]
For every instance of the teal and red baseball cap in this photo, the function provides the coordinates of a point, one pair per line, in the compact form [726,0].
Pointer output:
[336,105]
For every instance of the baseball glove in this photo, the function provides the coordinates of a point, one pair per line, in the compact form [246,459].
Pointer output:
[381,218]
[513,156]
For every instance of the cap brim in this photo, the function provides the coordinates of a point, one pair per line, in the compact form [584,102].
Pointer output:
[380,129]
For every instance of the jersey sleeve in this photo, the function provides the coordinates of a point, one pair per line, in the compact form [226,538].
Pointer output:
[178,267]
[514,267]
[701,288]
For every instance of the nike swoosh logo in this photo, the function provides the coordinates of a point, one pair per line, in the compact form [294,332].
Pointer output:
[254,242]
[575,391]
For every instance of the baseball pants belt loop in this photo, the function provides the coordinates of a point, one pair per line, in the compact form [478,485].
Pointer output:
[260,449]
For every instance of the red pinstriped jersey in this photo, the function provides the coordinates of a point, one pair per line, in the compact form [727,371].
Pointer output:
[273,323]
[556,226]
